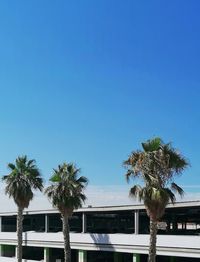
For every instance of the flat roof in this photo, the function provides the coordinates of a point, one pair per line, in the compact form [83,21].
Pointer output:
[104,208]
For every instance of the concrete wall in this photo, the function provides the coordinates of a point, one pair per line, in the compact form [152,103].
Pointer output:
[9,259]
[184,246]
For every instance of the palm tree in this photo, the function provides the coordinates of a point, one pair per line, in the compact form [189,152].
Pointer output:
[20,183]
[157,165]
[66,194]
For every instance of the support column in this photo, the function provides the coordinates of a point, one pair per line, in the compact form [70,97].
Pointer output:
[1,246]
[117,257]
[136,215]
[136,257]
[46,223]
[1,250]
[0,224]
[84,223]
[46,254]
[82,256]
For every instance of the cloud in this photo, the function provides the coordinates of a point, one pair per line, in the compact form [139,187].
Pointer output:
[96,196]
[108,195]
[190,186]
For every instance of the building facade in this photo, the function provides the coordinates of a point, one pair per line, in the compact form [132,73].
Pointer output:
[104,234]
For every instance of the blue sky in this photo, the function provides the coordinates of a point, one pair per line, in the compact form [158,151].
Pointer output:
[87,81]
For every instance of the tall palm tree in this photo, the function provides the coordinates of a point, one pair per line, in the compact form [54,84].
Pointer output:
[20,183]
[66,194]
[157,165]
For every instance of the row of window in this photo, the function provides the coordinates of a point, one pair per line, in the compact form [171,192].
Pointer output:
[175,221]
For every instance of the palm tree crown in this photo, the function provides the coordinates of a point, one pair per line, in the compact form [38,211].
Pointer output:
[156,164]
[24,177]
[66,191]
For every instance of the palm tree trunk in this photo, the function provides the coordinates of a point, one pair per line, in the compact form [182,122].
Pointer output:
[19,233]
[67,249]
[152,244]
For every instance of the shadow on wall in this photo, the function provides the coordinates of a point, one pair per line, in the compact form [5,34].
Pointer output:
[102,242]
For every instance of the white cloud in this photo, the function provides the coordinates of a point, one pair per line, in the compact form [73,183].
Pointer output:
[108,195]
[190,186]
[96,196]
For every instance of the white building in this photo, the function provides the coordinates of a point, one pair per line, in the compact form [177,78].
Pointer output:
[101,234]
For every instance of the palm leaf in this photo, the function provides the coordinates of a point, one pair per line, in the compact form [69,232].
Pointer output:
[177,189]
[171,195]
[135,191]
[152,144]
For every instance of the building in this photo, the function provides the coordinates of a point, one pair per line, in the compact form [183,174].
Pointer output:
[105,234]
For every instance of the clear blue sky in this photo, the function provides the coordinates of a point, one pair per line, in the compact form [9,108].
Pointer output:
[87,81]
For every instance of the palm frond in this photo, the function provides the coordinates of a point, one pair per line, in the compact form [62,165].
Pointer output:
[129,174]
[55,177]
[171,195]
[177,189]
[135,191]
[11,166]
[82,180]
[152,144]
[176,161]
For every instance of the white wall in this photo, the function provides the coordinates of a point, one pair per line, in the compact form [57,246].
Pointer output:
[188,246]
[10,259]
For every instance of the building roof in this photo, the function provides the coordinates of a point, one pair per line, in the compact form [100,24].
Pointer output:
[106,208]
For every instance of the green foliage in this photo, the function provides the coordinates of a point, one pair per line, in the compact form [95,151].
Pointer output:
[152,144]
[66,189]
[23,178]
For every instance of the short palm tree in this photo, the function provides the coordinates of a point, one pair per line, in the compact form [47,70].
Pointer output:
[66,194]
[24,177]
[157,165]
